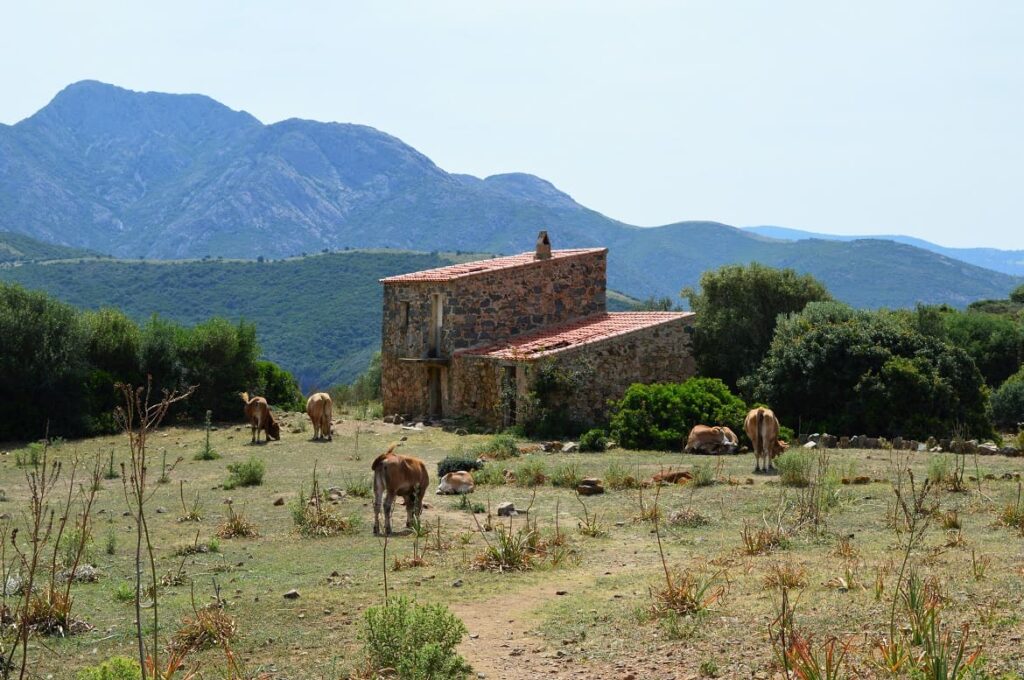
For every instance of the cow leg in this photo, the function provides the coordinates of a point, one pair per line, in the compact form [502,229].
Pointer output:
[252,428]
[389,505]
[376,514]
[410,509]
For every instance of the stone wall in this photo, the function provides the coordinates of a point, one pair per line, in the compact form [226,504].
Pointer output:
[479,309]
[659,353]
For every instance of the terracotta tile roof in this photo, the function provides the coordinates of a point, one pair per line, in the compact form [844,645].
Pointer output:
[457,271]
[547,341]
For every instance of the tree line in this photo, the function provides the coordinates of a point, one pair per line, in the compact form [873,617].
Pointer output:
[59,365]
[778,337]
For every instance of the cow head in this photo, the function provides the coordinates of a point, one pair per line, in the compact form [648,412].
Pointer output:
[274,430]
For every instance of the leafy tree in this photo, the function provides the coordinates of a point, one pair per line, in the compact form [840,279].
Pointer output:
[42,366]
[996,343]
[221,358]
[112,350]
[837,369]
[278,386]
[1008,402]
[653,304]
[660,416]
[1018,295]
[737,307]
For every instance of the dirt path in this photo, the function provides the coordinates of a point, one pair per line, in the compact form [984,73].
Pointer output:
[501,644]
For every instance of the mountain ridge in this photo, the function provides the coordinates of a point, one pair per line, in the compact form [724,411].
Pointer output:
[183,176]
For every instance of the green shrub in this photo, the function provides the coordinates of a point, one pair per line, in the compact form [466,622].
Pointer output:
[703,475]
[279,387]
[593,441]
[795,468]
[501,446]
[531,473]
[660,416]
[489,475]
[124,592]
[839,369]
[457,463]
[618,477]
[248,473]
[566,475]
[116,668]
[414,641]
[358,488]
[938,469]
[1008,402]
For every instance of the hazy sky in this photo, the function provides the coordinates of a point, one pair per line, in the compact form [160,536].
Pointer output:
[840,117]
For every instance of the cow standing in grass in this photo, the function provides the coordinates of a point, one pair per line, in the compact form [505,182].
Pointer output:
[762,427]
[395,475]
[257,412]
[319,409]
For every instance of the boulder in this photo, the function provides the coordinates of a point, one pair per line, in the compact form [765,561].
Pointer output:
[811,445]
[507,509]
[569,447]
[590,487]
[292,594]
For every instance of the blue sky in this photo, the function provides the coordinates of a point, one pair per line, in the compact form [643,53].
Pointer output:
[868,117]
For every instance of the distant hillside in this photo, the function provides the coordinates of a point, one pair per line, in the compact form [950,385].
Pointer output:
[318,316]
[1005,261]
[182,176]
[21,248]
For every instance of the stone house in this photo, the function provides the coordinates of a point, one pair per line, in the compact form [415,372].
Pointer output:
[471,339]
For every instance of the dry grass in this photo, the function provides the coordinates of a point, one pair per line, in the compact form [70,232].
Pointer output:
[785,575]
[761,541]
[235,525]
[208,627]
[689,592]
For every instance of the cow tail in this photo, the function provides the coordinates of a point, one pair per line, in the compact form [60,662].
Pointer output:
[758,437]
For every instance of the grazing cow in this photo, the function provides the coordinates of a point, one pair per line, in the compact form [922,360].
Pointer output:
[257,412]
[395,475]
[762,427]
[714,440]
[318,408]
[456,483]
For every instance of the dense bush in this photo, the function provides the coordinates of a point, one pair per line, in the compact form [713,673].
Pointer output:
[660,416]
[247,473]
[413,641]
[457,463]
[60,365]
[795,468]
[1008,402]
[593,441]
[116,668]
[737,307]
[994,341]
[837,369]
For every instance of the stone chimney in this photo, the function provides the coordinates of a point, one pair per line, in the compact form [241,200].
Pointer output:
[543,247]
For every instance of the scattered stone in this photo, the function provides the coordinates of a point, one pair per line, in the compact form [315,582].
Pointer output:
[292,594]
[5,515]
[810,444]
[279,501]
[161,510]
[457,583]
[590,486]
[561,592]
[569,447]
[461,432]
[507,509]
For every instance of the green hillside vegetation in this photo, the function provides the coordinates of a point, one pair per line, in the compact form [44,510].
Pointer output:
[61,366]
[21,248]
[318,316]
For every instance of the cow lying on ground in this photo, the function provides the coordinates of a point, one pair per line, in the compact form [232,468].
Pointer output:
[677,477]
[395,475]
[713,440]
[319,408]
[762,427]
[456,483]
[257,412]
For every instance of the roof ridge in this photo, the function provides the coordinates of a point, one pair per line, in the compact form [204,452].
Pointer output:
[474,267]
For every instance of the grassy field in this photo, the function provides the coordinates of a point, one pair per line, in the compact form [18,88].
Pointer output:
[589,616]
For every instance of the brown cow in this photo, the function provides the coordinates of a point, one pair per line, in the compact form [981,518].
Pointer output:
[460,482]
[395,475]
[257,412]
[714,440]
[762,427]
[318,408]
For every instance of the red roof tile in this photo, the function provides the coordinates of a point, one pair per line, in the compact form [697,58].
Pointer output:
[457,271]
[546,341]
